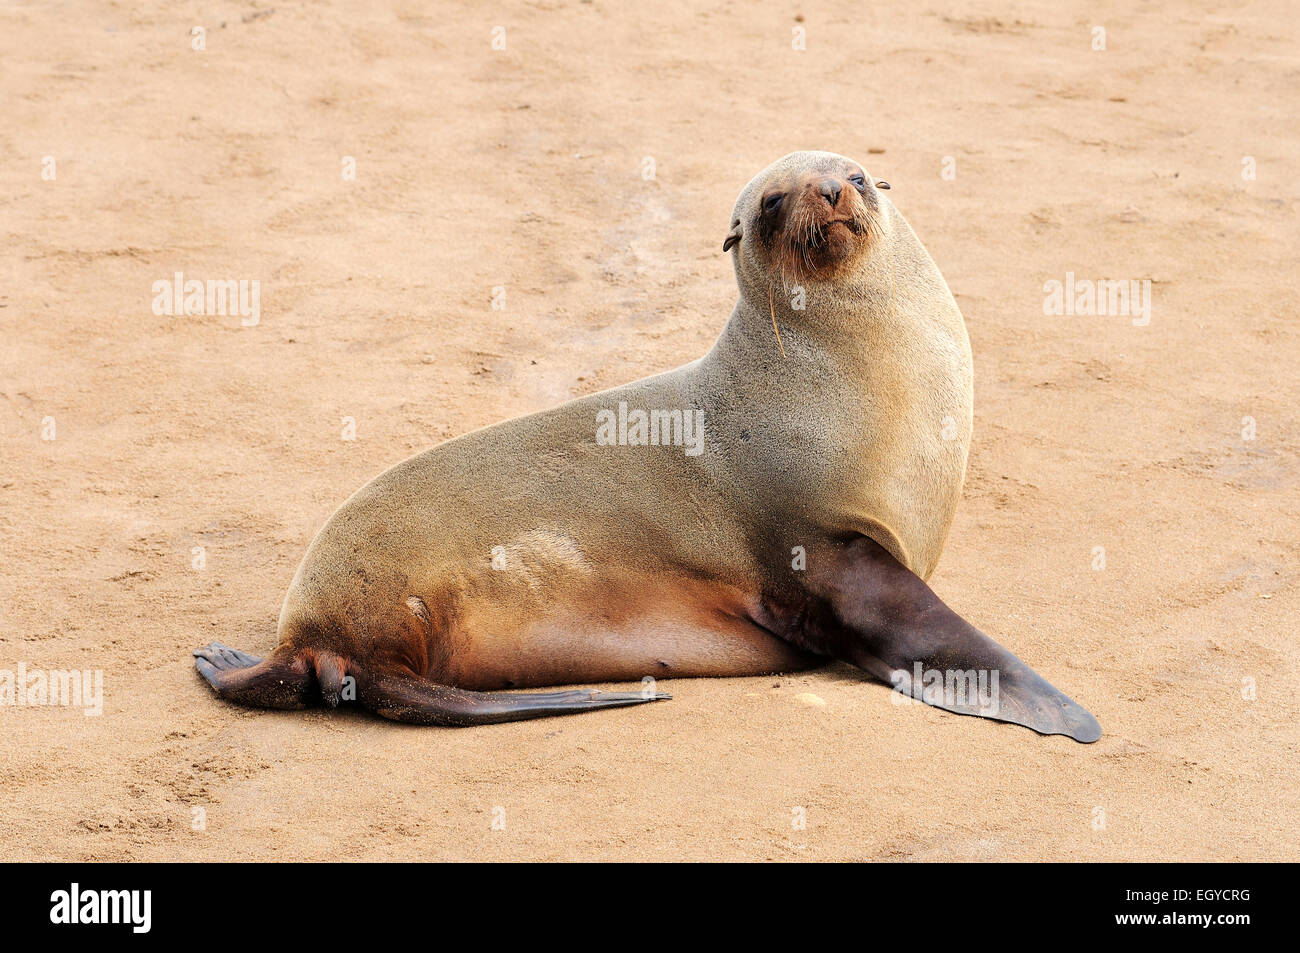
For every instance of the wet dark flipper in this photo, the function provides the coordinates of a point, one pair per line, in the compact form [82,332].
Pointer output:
[974,675]
[279,681]
[290,680]
[420,702]
[890,623]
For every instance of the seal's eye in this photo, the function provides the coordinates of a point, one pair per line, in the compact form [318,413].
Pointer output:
[772,203]
[859,182]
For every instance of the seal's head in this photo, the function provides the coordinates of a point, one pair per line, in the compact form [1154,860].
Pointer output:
[809,216]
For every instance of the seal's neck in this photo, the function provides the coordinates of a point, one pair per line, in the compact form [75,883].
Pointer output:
[889,327]
[818,323]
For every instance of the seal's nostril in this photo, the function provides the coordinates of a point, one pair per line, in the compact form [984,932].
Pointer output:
[831,191]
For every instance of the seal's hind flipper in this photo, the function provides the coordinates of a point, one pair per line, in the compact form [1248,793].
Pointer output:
[890,623]
[280,681]
[420,702]
[290,680]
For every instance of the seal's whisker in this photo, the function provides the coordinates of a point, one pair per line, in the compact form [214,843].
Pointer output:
[771,305]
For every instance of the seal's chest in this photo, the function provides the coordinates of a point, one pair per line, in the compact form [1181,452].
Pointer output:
[896,473]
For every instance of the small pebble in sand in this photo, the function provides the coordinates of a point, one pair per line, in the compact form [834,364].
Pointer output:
[811,700]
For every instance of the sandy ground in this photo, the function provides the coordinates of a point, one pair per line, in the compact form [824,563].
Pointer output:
[522,168]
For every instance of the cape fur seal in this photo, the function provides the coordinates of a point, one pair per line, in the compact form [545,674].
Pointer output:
[597,541]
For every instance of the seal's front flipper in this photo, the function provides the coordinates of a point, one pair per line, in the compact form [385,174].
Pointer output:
[888,622]
[973,675]
[280,681]
[419,702]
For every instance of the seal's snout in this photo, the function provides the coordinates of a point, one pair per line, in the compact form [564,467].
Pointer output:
[815,219]
[830,190]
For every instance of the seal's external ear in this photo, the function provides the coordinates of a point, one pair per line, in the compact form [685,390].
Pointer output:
[733,237]
[882,184]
